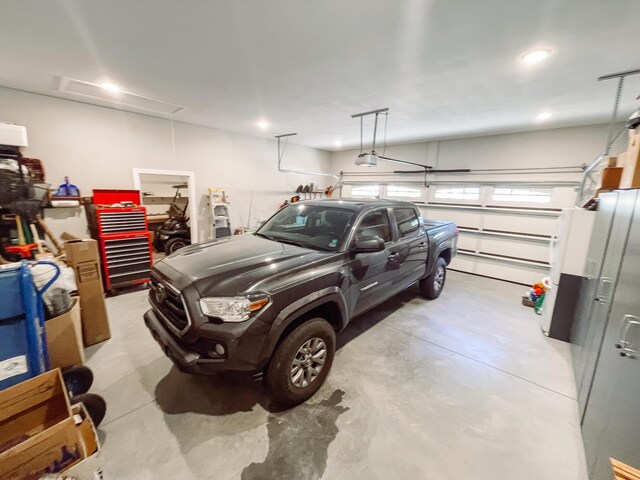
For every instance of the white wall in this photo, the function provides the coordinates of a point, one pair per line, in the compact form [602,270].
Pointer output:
[544,148]
[97,148]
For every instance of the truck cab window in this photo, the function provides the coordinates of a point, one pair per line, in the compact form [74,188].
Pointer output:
[407,221]
[376,224]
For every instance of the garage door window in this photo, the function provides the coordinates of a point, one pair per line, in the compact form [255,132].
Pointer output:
[365,191]
[521,195]
[376,224]
[407,221]
[400,191]
[458,193]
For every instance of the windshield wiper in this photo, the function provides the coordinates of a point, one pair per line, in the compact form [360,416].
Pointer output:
[263,236]
[302,244]
[290,242]
[293,242]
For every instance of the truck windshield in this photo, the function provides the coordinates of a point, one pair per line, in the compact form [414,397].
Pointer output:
[314,226]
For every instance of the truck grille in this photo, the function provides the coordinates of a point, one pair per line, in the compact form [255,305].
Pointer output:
[169,303]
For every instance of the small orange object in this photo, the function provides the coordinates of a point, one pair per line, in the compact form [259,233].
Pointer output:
[25,251]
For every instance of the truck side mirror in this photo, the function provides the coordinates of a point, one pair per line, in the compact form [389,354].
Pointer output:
[367,244]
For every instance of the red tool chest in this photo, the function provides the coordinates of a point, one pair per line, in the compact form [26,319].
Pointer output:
[123,237]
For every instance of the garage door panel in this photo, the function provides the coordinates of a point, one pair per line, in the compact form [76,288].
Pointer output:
[468,242]
[463,263]
[520,224]
[521,249]
[498,269]
[491,246]
[461,218]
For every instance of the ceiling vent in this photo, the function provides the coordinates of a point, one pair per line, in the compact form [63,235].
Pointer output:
[92,91]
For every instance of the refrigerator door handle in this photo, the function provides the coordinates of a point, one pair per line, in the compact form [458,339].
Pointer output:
[628,347]
[604,291]
[590,270]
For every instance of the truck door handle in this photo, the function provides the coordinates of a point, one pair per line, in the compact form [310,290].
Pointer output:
[394,256]
[422,245]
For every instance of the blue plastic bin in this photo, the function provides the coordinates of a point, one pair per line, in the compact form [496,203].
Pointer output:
[23,345]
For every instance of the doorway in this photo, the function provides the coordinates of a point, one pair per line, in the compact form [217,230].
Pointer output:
[160,189]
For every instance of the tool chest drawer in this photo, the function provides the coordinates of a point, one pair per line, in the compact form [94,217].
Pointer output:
[126,260]
[122,221]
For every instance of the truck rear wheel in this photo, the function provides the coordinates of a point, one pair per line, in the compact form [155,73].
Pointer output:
[431,287]
[302,362]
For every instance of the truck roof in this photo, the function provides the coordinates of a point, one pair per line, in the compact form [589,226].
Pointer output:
[358,203]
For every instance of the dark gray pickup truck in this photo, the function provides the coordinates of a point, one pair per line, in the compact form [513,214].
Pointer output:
[271,302]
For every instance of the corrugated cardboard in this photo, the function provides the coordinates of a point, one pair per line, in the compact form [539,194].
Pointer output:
[64,338]
[36,455]
[95,322]
[36,427]
[91,464]
[630,160]
[79,251]
[610,178]
[88,272]
[32,406]
[82,256]
[68,236]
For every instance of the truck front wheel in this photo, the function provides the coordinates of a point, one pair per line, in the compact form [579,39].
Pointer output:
[302,362]
[431,287]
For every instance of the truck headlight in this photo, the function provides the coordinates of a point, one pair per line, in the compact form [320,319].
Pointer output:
[233,309]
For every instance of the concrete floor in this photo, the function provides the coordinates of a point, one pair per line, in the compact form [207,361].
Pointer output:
[462,387]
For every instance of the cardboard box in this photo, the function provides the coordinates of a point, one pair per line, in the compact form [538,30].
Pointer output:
[64,338]
[68,236]
[83,257]
[37,431]
[630,161]
[610,179]
[93,311]
[89,467]
[79,251]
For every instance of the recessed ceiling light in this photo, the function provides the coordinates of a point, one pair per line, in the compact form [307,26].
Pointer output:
[111,87]
[535,56]
[544,116]
[263,124]
[337,143]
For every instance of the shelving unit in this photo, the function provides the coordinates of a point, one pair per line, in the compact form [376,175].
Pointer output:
[219,208]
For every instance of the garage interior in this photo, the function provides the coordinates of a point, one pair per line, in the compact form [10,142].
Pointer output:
[141,138]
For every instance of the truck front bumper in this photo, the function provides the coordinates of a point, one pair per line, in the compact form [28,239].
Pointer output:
[187,360]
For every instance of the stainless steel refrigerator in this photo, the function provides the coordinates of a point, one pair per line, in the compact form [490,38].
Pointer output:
[606,337]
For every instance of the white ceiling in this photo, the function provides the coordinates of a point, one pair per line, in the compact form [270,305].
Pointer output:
[445,68]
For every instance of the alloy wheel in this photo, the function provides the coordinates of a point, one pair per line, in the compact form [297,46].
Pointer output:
[308,362]
[438,279]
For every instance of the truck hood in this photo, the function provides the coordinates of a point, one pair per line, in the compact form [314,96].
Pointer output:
[239,264]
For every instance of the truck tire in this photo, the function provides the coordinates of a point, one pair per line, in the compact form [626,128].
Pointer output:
[431,287]
[302,362]
[175,244]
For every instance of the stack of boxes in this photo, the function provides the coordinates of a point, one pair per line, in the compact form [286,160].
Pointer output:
[630,161]
[623,171]
[40,432]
